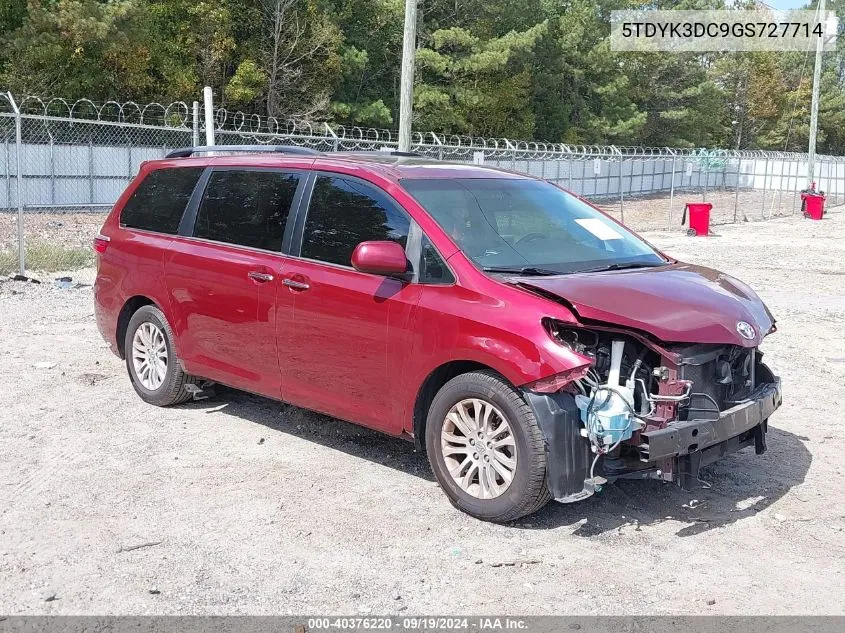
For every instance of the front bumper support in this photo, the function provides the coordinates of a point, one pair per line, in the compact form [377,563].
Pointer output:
[691,436]
[688,445]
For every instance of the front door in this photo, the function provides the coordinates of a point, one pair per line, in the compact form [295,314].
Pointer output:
[222,281]
[343,351]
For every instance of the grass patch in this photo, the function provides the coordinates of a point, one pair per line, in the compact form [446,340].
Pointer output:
[47,258]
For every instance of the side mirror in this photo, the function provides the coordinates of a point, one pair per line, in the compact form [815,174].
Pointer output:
[380,258]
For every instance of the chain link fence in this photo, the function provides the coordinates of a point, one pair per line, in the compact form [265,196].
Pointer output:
[63,164]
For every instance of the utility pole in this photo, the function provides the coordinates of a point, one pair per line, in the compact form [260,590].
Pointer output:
[814,107]
[406,87]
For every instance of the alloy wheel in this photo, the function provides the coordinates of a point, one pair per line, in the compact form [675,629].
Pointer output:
[479,448]
[149,355]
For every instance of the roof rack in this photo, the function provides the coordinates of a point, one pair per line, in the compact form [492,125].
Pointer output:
[184,152]
[382,152]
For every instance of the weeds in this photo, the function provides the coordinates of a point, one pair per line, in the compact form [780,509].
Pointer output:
[46,258]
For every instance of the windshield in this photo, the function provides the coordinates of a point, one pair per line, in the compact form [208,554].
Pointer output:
[528,226]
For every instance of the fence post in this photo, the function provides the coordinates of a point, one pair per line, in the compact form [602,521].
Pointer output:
[18,151]
[513,153]
[822,165]
[439,146]
[52,172]
[8,174]
[621,193]
[653,172]
[195,139]
[671,193]
[736,191]
[765,173]
[91,170]
[335,142]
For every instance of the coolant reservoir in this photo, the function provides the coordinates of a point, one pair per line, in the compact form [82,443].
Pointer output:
[610,419]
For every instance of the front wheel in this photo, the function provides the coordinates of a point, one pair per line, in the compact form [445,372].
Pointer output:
[486,449]
[151,359]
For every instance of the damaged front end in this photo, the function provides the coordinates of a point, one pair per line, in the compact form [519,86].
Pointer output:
[650,410]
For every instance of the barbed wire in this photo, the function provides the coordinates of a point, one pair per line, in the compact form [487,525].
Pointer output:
[178,116]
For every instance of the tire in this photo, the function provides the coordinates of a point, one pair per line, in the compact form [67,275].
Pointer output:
[527,491]
[172,388]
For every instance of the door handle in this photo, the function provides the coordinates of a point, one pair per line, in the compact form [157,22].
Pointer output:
[296,285]
[257,275]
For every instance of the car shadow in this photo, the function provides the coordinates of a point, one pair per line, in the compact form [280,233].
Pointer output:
[352,439]
[736,487]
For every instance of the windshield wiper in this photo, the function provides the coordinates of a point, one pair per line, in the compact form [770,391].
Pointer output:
[520,270]
[620,266]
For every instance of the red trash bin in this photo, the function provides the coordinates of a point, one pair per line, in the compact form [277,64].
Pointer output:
[812,203]
[699,218]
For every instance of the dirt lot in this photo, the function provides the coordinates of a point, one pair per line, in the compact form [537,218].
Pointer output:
[64,229]
[243,505]
[656,212]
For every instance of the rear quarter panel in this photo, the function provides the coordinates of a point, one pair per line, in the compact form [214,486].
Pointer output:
[132,265]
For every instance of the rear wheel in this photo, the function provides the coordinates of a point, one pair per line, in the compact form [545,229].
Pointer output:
[151,360]
[486,449]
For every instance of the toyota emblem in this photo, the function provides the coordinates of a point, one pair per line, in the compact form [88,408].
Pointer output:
[746,330]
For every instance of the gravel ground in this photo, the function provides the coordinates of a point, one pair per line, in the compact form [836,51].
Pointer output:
[652,212]
[242,505]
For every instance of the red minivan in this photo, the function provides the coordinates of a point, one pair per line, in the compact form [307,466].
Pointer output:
[533,346]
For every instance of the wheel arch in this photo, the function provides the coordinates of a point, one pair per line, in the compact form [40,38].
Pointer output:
[432,384]
[130,307]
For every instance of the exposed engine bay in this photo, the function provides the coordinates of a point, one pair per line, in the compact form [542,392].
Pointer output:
[649,409]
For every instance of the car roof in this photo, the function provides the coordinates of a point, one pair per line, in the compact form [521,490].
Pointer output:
[394,167]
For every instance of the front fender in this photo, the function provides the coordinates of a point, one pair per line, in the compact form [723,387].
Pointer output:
[518,346]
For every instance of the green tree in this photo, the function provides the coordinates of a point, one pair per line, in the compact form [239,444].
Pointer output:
[300,58]
[367,89]
[523,69]
[754,97]
[582,90]
[247,86]
[79,48]
[12,14]
[792,131]
[469,85]
[193,44]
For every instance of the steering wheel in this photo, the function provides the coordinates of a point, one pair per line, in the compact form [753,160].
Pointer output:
[530,237]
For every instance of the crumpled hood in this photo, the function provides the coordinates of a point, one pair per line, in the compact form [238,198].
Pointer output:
[677,303]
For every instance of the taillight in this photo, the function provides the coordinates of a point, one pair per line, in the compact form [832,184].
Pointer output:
[100,243]
[557,382]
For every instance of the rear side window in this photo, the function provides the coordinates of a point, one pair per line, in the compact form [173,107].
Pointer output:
[249,208]
[159,201]
[345,212]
